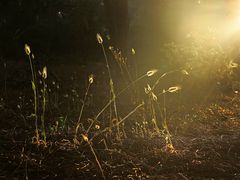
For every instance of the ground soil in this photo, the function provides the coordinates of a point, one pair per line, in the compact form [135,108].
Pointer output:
[206,137]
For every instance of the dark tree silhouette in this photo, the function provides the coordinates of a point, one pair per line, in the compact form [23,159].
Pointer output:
[117,22]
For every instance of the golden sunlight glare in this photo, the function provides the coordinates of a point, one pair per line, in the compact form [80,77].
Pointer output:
[233,17]
[222,15]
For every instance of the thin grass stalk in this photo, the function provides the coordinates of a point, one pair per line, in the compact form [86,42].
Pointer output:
[35,97]
[135,63]
[81,111]
[43,112]
[121,121]
[32,69]
[123,90]
[165,126]
[160,110]
[111,85]
[130,113]
[163,75]
[96,159]
[154,115]
[110,108]
[128,73]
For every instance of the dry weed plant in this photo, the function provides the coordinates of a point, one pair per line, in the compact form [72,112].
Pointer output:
[37,97]
[112,91]
[153,120]
[90,81]
[44,94]
[36,138]
[117,124]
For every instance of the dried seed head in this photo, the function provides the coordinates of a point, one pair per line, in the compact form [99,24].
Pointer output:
[148,89]
[232,65]
[185,72]
[44,72]
[85,138]
[154,97]
[97,126]
[152,72]
[91,78]
[133,51]
[99,38]
[174,89]
[27,49]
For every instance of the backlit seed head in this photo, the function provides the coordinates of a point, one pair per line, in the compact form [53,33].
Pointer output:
[85,138]
[174,89]
[91,78]
[148,89]
[99,38]
[133,51]
[232,65]
[97,126]
[44,72]
[154,97]
[185,72]
[152,72]
[27,49]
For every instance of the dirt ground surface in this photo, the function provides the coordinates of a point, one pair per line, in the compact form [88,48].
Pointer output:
[205,138]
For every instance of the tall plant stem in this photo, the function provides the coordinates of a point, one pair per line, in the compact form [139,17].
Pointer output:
[35,98]
[81,111]
[111,85]
[43,112]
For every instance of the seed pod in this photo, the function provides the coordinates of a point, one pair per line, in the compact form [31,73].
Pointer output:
[27,49]
[232,65]
[99,38]
[185,72]
[154,97]
[91,78]
[133,51]
[85,138]
[174,89]
[44,72]
[152,72]
[97,126]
